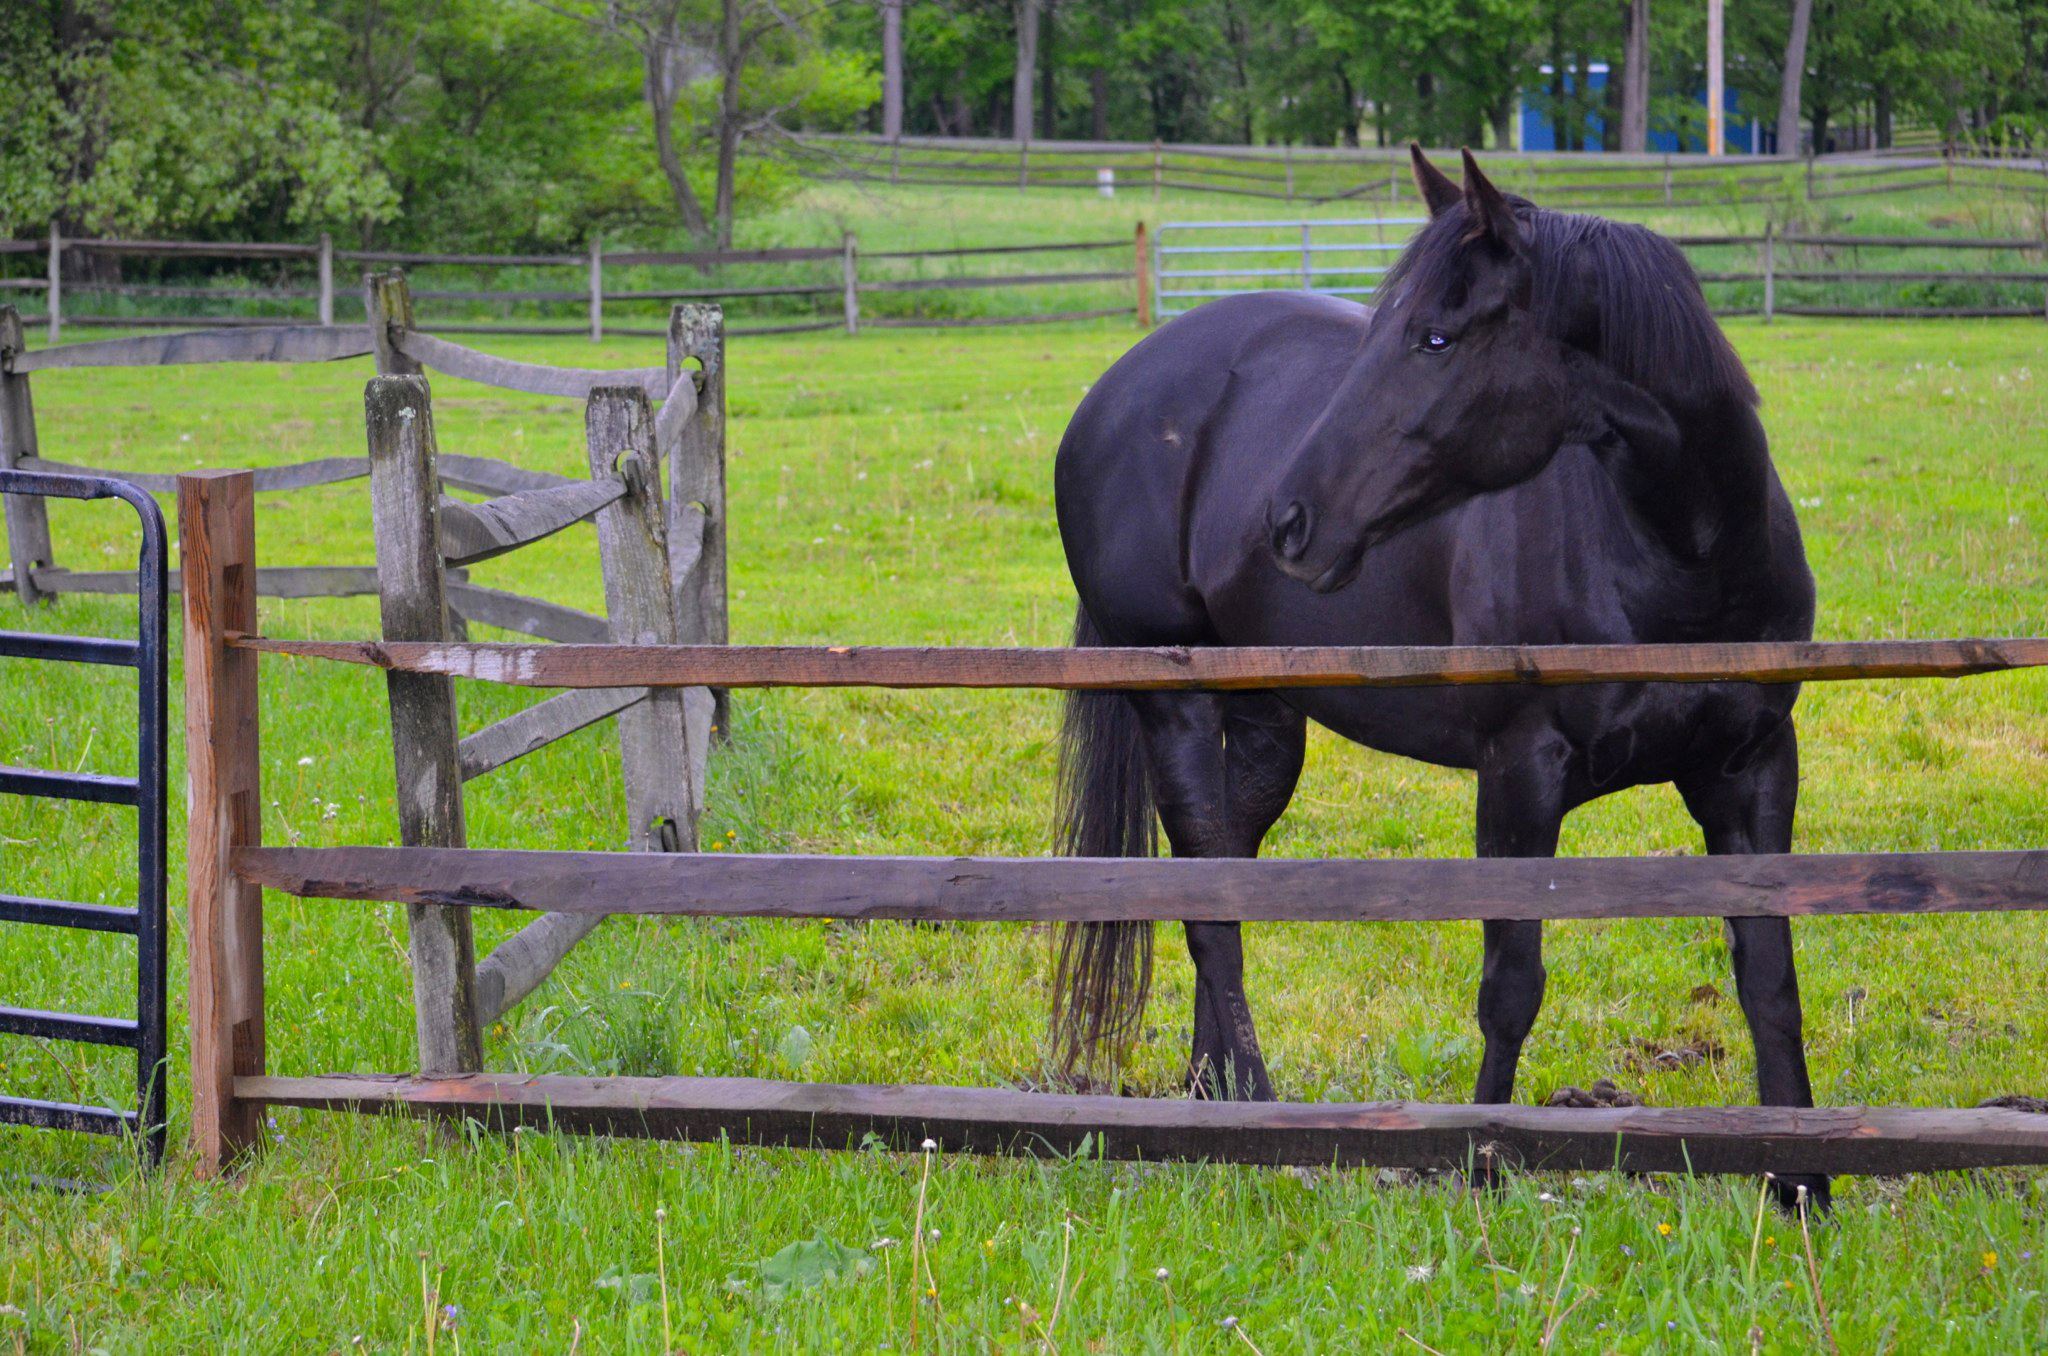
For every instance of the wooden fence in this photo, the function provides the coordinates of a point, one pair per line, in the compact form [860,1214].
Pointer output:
[229,868]
[662,558]
[839,277]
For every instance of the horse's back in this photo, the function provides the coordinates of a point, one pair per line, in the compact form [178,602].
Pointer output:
[1139,445]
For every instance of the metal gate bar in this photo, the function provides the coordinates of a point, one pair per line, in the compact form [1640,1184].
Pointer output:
[144,1033]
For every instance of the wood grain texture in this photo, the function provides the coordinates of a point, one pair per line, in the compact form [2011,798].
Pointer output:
[265,344]
[457,360]
[697,537]
[1084,889]
[540,725]
[27,517]
[1219,668]
[477,532]
[487,475]
[1747,1140]
[404,483]
[217,542]
[632,546]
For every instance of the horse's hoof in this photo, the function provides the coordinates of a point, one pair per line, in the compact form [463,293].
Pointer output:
[1810,1192]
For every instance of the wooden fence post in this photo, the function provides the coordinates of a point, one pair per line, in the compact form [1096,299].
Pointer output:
[1290,171]
[54,311]
[1770,270]
[596,288]
[1158,168]
[217,545]
[849,274]
[1142,262]
[654,744]
[404,506]
[28,516]
[387,300]
[326,278]
[697,543]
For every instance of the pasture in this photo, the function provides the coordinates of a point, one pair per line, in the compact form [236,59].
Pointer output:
[897,488]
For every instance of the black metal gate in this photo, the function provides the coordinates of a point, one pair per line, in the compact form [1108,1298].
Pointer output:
[144,1034]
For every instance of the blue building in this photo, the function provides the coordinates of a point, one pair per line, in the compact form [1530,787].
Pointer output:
[1743,133]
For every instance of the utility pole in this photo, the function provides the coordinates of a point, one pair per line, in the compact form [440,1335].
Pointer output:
[1716,90]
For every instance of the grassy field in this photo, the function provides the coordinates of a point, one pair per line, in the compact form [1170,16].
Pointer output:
[896,488]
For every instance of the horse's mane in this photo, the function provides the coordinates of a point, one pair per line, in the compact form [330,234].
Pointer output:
[1621,292]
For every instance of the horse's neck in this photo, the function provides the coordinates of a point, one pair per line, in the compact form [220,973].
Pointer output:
[1699,493]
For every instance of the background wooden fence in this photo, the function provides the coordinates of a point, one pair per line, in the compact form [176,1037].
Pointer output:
[809,288]
[229,868]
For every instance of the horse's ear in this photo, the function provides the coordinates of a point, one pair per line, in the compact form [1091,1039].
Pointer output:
[1487,208]
[1437,189]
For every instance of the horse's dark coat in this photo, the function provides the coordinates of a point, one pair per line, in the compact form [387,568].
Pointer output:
[1540,436]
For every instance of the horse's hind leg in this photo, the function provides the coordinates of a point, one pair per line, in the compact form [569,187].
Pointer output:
[1750,810]
[1223,769]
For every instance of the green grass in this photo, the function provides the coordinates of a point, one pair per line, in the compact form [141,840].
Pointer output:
[896,488]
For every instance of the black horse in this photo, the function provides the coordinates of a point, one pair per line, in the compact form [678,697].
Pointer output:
[1539,436]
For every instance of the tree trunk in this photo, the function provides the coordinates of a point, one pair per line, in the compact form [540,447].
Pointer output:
[661,105]
[1560,133]
[732,60]
[1048,62]
[1098,104]
[1635,80]
[1881,117]
[1027,68]
[1350,107]
[892,68]
[1503,115]
[1788,88]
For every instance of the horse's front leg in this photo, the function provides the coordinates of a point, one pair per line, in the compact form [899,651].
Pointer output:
[1223,770]
[1750,809]
[1522,789]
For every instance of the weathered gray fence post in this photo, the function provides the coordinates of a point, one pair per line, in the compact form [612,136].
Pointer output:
[53,313]
[849,277]
[1290,171]
[387,301]
[1770,271]
[654,743]
[596,288]
[1158,169]
[404,503]
[326,278]
[28,518]
[696,497]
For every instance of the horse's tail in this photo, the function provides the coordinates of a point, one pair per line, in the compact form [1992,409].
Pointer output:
[1106,810]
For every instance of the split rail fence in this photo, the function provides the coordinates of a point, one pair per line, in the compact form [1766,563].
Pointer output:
[663,560]
[808,288]
[229,868]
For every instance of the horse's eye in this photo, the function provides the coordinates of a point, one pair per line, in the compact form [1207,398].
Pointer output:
[1436,341]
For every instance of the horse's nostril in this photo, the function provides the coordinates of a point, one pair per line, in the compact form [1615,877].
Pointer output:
[1291,531]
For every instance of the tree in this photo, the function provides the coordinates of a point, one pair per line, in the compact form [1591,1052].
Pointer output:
[892,68]
[1027,69]
[1635,79]
[1794,69]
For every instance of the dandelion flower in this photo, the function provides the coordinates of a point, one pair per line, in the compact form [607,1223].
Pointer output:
[1421,1271]
[1664,1228]
[1161,1274]
[929,1146]
[1990,1260]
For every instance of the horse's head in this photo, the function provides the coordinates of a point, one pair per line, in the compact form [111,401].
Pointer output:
[1456,389]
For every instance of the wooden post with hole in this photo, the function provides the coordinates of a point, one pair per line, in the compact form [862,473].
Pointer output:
[697,549]
[654,744]
[217,544]
[28,516]
[1141,265]
[404,506]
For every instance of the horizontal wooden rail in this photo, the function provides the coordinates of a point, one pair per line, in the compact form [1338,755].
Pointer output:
[975,322]
[227,249]
[458,360]
[254,344]
[717,258]
[527,616]
[991,280]
[471,533]
[1747,1140]
[540,725]
[297,476]
[1087,889]
[730,666]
